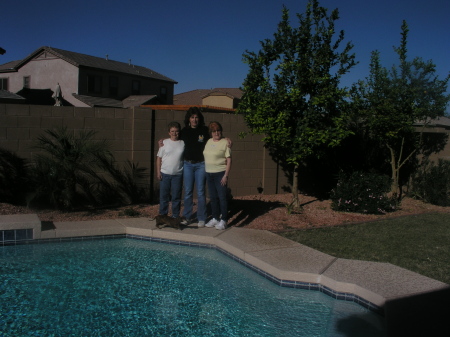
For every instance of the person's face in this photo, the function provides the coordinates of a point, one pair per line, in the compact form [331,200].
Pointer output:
[174,133]
[216,135]
[193,121]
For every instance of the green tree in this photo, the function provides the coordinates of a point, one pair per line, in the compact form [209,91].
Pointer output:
[389,102]
[291,92]
[68,162]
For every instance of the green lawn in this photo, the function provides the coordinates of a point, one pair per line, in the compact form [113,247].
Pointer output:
[420,243]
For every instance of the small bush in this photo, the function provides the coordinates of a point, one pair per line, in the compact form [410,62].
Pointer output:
[129,182]
[362,192]
[14,180]
[431,183]
[129,212]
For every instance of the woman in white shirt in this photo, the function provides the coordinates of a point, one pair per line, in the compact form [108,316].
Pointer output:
[169,171]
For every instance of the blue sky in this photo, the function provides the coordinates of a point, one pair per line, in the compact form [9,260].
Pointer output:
[200,43]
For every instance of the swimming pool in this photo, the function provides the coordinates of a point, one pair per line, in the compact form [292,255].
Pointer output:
[125,287]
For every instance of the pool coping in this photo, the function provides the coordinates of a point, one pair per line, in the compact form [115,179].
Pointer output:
[284,262]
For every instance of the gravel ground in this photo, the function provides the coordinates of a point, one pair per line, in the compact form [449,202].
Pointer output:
[267,212]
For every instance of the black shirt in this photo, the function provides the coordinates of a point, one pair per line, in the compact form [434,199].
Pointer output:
[194,140]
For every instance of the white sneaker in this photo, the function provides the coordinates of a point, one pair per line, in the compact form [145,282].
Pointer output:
[212,223]
[201,224]
[221,225]
[185,222]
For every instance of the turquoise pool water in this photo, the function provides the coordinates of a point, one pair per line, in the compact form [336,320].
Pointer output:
[125,287]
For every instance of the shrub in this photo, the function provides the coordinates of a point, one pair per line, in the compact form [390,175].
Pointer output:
[363,192]
[129,212]
[66,169]
[128,181]
[75,170]
[431,183]
[14,182]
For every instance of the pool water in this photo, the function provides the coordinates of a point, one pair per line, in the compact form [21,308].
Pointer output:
[125,287]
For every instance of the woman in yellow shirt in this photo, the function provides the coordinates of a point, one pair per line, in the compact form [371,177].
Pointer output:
[217,166]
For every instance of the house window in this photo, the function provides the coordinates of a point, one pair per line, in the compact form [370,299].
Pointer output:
[4,83]
[26,82]
[113,86]
[163,94]
[94,84]
[136,87]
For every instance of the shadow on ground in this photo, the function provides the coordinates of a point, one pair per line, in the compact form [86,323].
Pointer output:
[242,212]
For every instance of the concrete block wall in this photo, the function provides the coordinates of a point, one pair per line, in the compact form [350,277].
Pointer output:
[134,133]
[20,125]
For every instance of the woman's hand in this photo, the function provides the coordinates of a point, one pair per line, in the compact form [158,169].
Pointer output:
[229,142]
[224,180]
[159,175]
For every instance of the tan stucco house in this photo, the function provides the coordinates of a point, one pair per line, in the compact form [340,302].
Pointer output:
[218,97]
[54,76]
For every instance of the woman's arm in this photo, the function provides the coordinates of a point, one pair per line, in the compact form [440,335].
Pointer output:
[161,142]
[229,142]
[158,168]
[224,180]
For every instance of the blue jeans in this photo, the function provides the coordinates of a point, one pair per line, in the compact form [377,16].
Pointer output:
[217,195]
[170,189]
[194,173]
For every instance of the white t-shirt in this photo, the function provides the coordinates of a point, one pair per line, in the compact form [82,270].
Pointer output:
[171,155]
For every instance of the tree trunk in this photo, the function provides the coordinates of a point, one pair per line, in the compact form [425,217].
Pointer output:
[395,174]
[295,204]
[395,167]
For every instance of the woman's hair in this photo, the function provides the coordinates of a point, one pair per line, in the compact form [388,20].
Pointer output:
[213,126]
[194,111]
[173,125]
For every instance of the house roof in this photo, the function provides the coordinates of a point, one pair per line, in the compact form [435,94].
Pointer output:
[130,101]
[137,100]
[204,108]
[84,60]
[443,122]
[195,97]
[7,67]
[99,101]
[4,94]
[230,92]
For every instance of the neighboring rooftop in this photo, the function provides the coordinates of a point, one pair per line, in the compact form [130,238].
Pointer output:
[4,94]
[79,59]
[195,97]
[8,66]
[137,100]
[99,101]
[443,122]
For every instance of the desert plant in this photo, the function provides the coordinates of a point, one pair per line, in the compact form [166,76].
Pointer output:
[14,178]
[68,165]
[431,183]
[363,192]
[128,181]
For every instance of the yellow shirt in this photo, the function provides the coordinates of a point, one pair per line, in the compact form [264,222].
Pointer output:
[216,154]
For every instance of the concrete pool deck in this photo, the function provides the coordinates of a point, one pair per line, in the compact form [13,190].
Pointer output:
[402,296]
